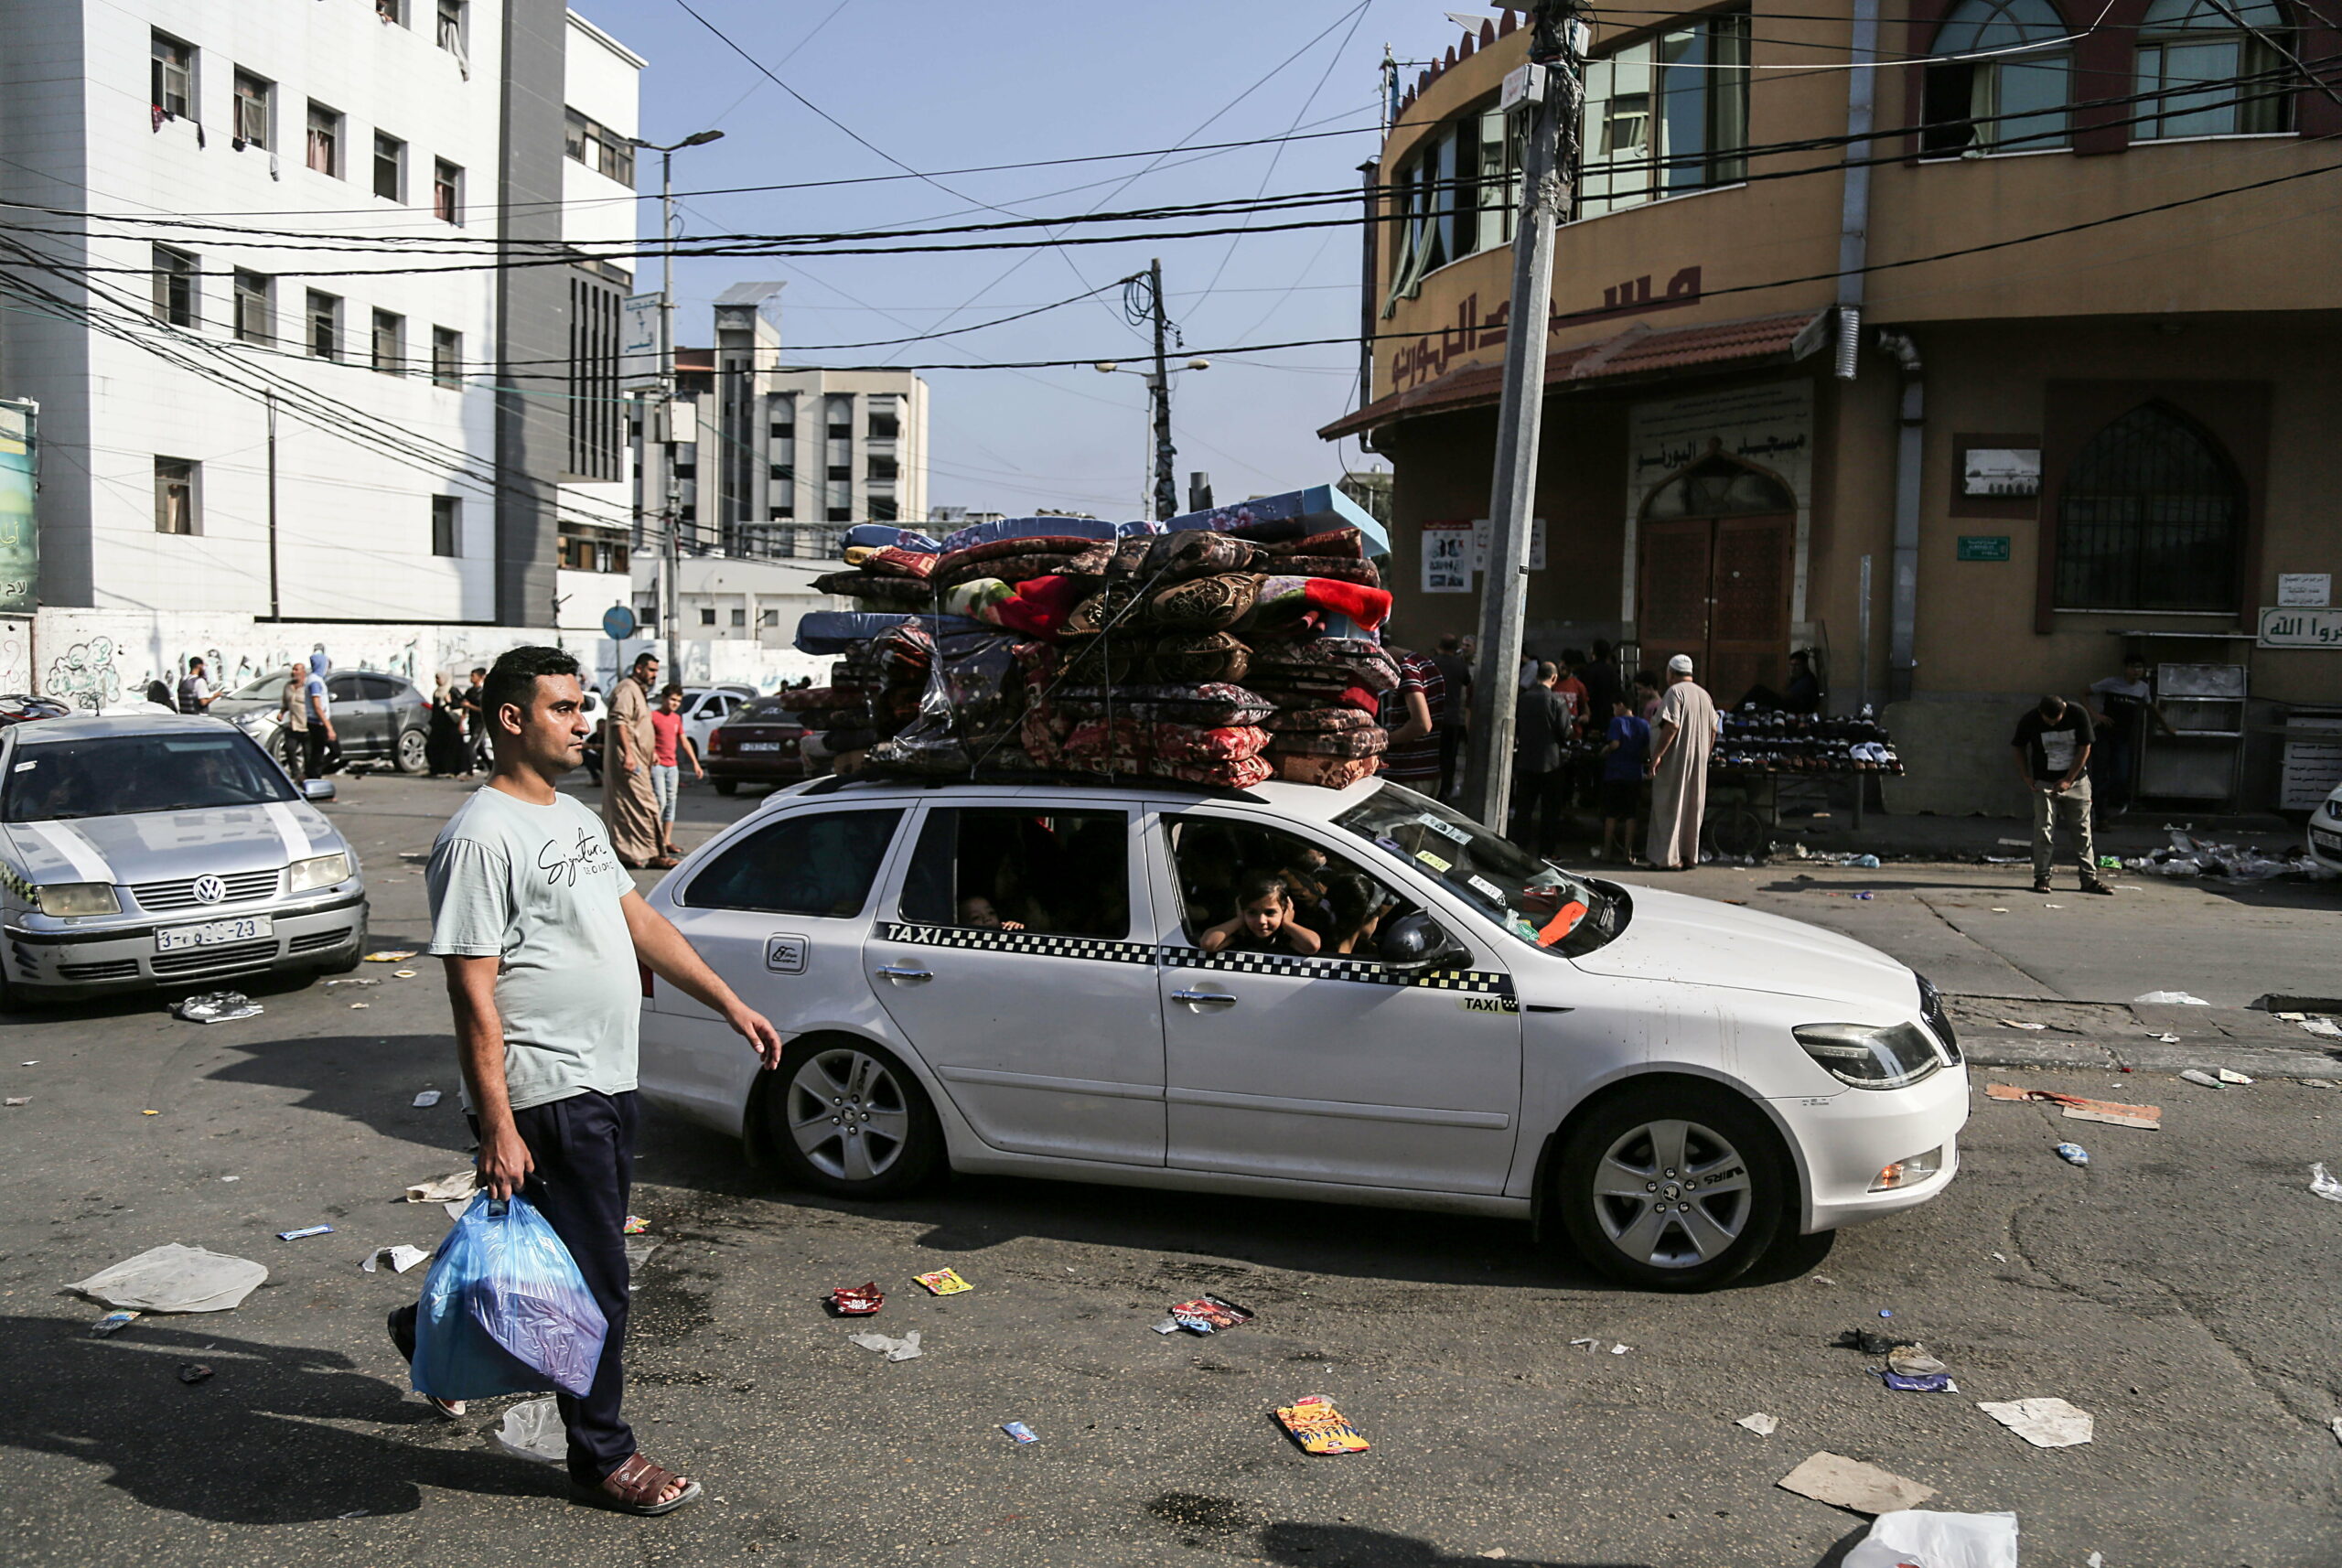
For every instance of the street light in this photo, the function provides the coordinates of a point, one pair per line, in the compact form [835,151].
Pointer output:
[1159,452]
[671,554]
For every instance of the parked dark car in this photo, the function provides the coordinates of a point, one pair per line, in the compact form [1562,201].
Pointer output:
[761,742]
[378,717]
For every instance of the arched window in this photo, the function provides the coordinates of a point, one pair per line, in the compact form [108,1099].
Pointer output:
[2003,96]
[2212,68]
[1717,486]
[2151,518]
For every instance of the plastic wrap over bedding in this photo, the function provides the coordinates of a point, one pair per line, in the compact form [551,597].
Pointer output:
[837,631]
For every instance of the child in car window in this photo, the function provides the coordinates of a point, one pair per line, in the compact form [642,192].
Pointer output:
[1264,921]
[1355,912]
[977,910]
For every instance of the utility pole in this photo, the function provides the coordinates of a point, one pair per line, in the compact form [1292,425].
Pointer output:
[1556,53]
[1166,492]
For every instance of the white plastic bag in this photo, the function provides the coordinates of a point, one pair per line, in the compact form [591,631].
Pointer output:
[2169,999]
[1916,1538]
[172,1278]
[533,1431]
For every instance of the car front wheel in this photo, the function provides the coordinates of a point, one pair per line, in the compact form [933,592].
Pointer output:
[847,1119]
[414,751]
[1675,1188]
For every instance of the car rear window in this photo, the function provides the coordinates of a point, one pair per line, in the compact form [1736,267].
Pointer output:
[122,775]
[818,863]
[765,711]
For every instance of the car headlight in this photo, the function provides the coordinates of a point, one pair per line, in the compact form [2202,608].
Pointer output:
[64,898]
[323,871]
[254,720]
[1870,1056]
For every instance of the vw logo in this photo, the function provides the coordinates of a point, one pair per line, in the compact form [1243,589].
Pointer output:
[210,890]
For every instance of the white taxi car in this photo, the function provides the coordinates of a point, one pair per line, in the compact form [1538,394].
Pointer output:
[2324,838]
[1009,978]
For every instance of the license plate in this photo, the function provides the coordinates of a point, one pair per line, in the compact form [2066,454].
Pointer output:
[2330,843]
[761,745]
[213,933]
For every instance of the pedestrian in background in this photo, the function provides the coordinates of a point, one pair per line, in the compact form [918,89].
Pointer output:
[628,807]
[1600,675]
[292,713]
[2053,742]
[669,746]
[1411,713]
[475,757]
[1543,727]
[1685,736]
[2126,706]
[444,749]
[541,935]
[1456,672]
[1625,745]
[196,691]
[321,749]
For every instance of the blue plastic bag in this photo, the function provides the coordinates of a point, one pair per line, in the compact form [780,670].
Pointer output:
[504,1310]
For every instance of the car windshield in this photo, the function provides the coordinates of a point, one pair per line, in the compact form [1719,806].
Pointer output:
[122,775]
[1536,903]
[267,689]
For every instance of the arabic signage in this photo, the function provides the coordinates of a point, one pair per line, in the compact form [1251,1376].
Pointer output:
[1768,427]
[19,531]
[1983,547]
[2284,627]
[2305,590]
[641,330]
[1431,356]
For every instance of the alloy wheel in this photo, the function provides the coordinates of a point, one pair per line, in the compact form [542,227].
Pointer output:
[1671,1194]
[848,1114]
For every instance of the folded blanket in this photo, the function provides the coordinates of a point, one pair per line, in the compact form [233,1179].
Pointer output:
[1242,773]
[1202,604]
[1175,557]
[1018,528]
[1319,720]
[1037,609]
[1340,662]
[1206,656]
[906,592]
[1368,742]
[1328,772]
[1211,705]
[1020,568]
[1333,567]
[1284,596]
[1294,697]
[885,535]
[1346,543]
[840,631]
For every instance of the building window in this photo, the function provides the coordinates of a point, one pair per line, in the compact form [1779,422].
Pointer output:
[839,514]
[255,309]
[175,286]
[2191,56]
[447,357]
[881,509]
[447,525]
[174,498]
[446,191]
[707,614]
[2011,97]
[392,12]
[842,472]
[599,148]
[596,411]
[255,106]
[451,30]
[172,76]
[390,167]
[784,510]
[783,430]
[841,418]
[2151,518]
[886,422]
[783,473]
[740,618]
[1666,115]
[325,326]
[883,470]
[325,140]
[390,343]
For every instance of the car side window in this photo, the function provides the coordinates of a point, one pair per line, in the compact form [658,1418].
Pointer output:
[1212,856]
[1054,872]
[820,864]
[379,688]
[344,688]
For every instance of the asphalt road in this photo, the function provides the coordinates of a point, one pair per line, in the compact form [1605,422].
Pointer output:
[2180,1289]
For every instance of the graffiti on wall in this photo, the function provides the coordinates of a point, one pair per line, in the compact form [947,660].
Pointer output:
[84,675]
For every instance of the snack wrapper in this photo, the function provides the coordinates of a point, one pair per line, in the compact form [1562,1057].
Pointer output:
[943,1282]
[1319,1428]
[1208,1315]
[857,1301]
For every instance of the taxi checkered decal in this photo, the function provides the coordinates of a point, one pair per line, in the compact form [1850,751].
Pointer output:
[1361,972]
[14,881]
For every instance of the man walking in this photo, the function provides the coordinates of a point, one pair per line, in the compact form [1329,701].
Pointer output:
[2126,703]
[1455,671]
[541,932]
[476,755]
[1678,769]
[320,748]
[629,806]
[1542,729]
[1411,711]
[196,691]
[2053,746]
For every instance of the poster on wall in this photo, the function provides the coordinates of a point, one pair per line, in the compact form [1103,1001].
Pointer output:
[1447,556]
[19,535]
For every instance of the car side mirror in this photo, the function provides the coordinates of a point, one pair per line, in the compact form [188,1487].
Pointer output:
[317,790]
[1414,943]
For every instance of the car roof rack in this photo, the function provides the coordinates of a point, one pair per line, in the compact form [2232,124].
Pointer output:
[832,783]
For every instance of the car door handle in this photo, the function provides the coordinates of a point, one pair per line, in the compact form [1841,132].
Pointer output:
[904,972]
[1204,998]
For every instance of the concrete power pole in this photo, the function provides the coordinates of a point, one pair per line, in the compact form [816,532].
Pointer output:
[1166,492]
[1557,53]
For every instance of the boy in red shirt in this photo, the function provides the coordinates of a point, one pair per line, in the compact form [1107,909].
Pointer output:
[669,744]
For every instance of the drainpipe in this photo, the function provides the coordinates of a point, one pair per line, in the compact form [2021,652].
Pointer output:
[1903,616]
[1854,217]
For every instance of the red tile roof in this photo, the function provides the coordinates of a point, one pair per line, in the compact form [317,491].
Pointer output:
[1638,352]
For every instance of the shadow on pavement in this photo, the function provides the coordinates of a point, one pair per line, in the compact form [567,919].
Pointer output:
[263,1441]
[1354,1546]
[260,987]
[368,1083]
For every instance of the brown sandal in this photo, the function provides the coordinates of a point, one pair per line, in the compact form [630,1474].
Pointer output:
[634,1487]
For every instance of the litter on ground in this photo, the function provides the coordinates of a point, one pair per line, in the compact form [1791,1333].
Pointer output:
[1020,1432]
[1208,1315]
[1760,1423]
[636,1225]
[2112,1113]
[904,1350]
[2016,1023]
[2167,999]
[2044,1423]
[2229,1076]
[1914,1538]
[1319,1428]
[455,1187]
[1913,1361]
[172,1278]
[2198,1074]
[390,955]
[943,1282]
[427,1099]
[17,1100]
[2324,1028]
[1850,1484]
[305,1232]
[2072,1154]
[857,1301]
[2323,1184]
[194,1372]
[1926,1383]
[400,1258]
[215,1007]
[532,1430]
[112,1323]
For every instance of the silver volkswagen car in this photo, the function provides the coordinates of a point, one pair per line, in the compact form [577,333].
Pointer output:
[146,850]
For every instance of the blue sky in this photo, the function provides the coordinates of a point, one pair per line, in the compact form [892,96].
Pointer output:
[951,86]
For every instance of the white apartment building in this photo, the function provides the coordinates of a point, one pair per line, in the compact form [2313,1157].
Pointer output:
[280,379]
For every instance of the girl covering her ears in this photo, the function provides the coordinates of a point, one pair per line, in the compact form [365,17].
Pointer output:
[1264,921]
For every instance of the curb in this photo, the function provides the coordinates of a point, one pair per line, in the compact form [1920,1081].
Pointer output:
[2152,1056]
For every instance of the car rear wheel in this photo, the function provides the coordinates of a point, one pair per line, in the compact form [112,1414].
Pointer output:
[414,751]
[847,1119]
[726,786]
[1675,1187]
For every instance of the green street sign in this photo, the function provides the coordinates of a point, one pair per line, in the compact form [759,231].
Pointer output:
[1983,547]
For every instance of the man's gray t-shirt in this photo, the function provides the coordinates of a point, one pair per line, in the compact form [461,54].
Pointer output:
[539,887]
